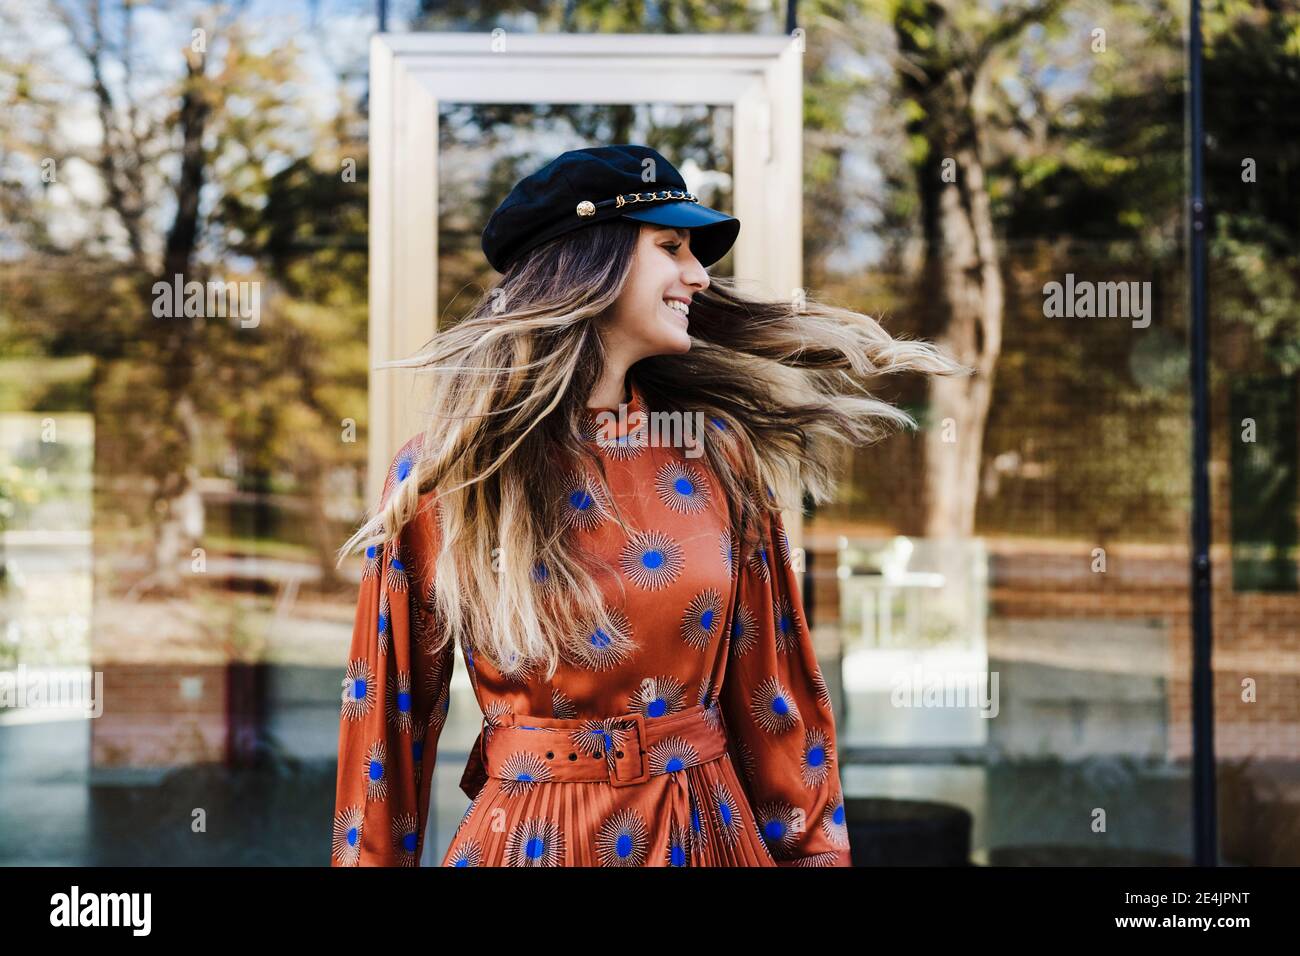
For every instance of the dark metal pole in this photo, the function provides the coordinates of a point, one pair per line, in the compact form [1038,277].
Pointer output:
[791,16]
[381,13]
[1204,808]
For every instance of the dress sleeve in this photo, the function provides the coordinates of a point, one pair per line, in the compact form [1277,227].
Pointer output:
[395,697]
[778,712]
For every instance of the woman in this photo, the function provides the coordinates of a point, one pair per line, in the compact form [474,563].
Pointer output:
[617,576]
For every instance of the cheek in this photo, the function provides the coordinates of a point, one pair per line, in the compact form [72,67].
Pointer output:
[650,297]
[637,312]
[641,305]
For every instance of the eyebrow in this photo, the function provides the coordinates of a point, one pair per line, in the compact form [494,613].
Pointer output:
[676,230]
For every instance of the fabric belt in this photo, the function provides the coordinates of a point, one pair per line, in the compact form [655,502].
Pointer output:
[622,750]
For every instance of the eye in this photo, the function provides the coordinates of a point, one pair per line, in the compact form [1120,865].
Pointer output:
[672,247]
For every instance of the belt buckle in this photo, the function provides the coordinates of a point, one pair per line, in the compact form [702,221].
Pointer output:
[644,775]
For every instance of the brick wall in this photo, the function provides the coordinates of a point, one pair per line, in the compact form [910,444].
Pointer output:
[164,715]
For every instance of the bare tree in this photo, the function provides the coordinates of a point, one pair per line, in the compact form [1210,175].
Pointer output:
[126,159]
[942,58]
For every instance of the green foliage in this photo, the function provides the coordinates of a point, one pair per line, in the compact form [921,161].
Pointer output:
[1083,152]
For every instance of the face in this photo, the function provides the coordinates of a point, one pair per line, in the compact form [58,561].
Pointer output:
[664,270]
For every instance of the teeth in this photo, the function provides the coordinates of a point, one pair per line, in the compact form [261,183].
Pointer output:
[680,306]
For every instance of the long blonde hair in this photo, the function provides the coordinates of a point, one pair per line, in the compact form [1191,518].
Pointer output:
[509,386]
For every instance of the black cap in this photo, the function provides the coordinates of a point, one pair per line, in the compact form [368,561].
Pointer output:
[586,186]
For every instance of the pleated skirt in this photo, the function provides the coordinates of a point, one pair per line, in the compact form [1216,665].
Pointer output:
[690,810]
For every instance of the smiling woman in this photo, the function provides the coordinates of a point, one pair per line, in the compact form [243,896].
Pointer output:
[651,316]
[629,614]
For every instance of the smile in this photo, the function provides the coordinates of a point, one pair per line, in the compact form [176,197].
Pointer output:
[681,308]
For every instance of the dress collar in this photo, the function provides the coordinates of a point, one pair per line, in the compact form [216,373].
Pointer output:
[617,421]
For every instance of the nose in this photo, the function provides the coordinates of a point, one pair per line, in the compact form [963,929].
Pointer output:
[694,274]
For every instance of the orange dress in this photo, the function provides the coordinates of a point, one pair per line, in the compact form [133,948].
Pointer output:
[711,742]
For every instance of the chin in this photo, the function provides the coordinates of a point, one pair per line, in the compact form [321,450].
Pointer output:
[678,342]
[665,339]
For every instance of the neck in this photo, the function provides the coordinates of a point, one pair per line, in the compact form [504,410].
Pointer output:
[611,390]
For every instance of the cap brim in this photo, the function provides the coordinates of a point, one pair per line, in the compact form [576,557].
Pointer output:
[713,233]
[683,215]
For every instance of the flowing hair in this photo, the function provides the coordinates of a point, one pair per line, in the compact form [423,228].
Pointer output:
[784,382]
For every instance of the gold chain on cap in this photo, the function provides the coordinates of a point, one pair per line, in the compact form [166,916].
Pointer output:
[588,208]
